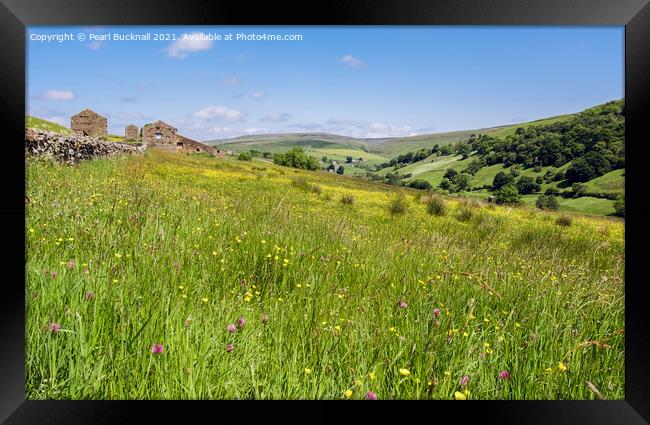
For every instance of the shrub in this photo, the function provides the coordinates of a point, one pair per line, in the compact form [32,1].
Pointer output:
[564,221]
[398,205]
[619,207]
[436,206]
[296,158]
[420,184]
[245,156]
[547,202]
[507,195]
[347,199]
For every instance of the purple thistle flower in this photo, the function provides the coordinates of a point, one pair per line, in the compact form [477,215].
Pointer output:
[71,264]
[464,381]
[504,374]
[229,348]
[241,322]
[231,328]
[436,312]
[54,327]
[157,348]
[371,396]
[90,295]
[53,274]
[402,304]
[265,318]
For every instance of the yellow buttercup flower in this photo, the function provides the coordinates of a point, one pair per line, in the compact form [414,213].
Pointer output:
[562,367]
[372,376]
[307,371]
[404,372]
[459,396]
[348,393]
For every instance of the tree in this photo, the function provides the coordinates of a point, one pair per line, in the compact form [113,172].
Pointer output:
[245,156]
[450,174]
[340,170]
[552,191]
[527,185]
[461,181]
[420,184]
[619,206]
[324,158]
[507,195]
[580,171]
[464,149]
[445,184]
[579,189]
[547,202]
[501,179]
[296,158]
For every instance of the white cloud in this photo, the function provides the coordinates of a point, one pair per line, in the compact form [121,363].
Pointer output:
[277,117]
[258,94]
[344,121]
[187,43]
[219,113]
[245,57]
[352,62]
[63,95]
[253,130]
[95,45]
[230,81]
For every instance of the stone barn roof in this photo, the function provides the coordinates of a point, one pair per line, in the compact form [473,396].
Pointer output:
[87,112]
[161,124]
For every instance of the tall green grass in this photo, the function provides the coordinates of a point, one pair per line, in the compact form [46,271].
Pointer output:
[176,248]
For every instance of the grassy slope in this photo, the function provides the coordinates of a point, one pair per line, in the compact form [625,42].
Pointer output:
[39,123]
[34,122]
[177,247]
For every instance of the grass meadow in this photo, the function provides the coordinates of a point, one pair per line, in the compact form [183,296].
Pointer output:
[186,277]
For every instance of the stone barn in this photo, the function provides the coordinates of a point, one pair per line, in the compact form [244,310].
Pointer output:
[186,145]
[159,133]
[89,123]
[131,132]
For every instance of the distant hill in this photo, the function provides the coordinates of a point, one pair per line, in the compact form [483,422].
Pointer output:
[373,150]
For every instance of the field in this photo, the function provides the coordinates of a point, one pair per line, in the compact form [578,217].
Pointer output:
[170,276]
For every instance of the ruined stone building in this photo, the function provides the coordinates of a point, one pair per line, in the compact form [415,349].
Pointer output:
[89,123]
[159,133]
[131,132]
[186,145]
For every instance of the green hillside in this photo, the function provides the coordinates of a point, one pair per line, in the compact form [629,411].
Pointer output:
[578,156]
[41,124]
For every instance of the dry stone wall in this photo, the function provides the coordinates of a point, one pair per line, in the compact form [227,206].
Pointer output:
[73,148]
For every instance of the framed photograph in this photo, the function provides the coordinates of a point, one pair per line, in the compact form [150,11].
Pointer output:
[410,201]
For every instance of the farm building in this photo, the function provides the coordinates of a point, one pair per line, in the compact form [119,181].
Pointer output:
[186,145]
[131,132]
[159,133]
[89,123]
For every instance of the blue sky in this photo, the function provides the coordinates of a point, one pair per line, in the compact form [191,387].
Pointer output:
[355,81]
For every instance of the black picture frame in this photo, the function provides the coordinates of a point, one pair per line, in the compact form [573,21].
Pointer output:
[15,15]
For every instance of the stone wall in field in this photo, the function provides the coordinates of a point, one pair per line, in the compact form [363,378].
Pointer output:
[73,148]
